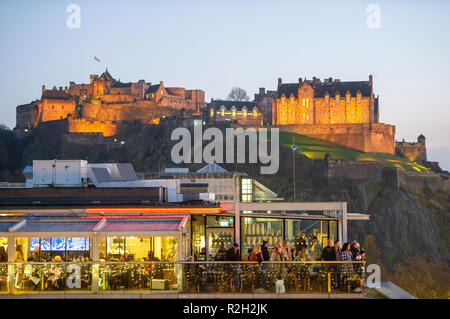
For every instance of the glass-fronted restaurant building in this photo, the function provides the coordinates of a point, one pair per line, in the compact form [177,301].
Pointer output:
[166,234]
[132,225]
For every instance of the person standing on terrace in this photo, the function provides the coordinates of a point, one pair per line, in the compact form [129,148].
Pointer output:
[355,250]
[256,254]
[287,251]
[233,253]
[329,252]
[265,250]
[300,243]
[337,247]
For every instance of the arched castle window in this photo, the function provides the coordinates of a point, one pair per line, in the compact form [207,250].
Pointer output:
[244,111]
[255,112]
[307,103]
[358,97]
[304,102]
[338,97]
[211,113]
[222,110]
[233,111]
[307,117]
[327,98]
[283,100]
[348,97]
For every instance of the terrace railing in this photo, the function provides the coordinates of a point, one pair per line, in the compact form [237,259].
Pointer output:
[182,277]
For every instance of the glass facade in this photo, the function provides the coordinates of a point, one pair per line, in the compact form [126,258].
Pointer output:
[256,229]
[211,236]
[198,237]
[134,248]
[219,221]
[307,235]
[47,249]
[246,190]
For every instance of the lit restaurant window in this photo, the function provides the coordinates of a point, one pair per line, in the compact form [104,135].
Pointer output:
[247,190]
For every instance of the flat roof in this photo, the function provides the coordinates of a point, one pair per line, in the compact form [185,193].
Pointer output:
[94,223]
[57,227]
[163,224]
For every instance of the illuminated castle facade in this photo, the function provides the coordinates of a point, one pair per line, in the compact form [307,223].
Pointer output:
[106,102]
[327,102]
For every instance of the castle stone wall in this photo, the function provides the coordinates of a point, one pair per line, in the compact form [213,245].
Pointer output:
[82,126]
[366,137]
[417,181]
[56,109]
[392,176]
[27,115]
[415,152]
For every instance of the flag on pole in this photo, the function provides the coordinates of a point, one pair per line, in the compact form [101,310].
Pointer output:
[96,59]
[295,148]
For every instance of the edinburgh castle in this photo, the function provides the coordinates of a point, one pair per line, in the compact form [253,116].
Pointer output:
[345,113]
[106,104]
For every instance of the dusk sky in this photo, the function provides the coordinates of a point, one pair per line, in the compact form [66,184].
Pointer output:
[216,45]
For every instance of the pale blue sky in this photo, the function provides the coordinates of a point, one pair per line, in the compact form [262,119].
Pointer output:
[215,45]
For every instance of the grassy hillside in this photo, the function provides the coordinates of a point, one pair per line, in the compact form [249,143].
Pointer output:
[316,149]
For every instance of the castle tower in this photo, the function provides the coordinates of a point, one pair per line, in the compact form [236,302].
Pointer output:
[421,139]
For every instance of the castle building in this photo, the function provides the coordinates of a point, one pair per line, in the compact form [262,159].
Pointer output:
[107,100]
[327,102]
[265,100]
[243,112]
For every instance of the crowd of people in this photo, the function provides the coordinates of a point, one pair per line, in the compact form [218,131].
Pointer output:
[301,252]
[265,275]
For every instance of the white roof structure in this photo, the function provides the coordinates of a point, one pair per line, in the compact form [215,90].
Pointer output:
[212,168]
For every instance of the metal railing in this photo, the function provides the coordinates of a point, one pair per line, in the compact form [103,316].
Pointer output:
[182,277]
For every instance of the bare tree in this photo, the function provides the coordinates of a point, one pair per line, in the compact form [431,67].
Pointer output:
[238,94]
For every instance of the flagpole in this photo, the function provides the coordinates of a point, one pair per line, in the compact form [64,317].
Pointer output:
[293,162]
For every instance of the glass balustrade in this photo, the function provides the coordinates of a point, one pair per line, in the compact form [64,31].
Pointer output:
[182,277]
